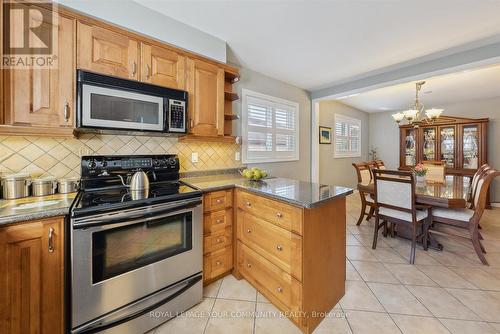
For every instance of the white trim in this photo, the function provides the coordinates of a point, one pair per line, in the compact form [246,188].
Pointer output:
[315,142]
[495,204]
[246,93]
[346,119]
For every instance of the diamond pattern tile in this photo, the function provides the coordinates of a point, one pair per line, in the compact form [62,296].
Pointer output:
[60,157]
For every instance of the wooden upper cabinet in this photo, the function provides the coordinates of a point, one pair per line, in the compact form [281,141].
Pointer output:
[162,67]
[44,96]
[107,52]
[205,84]
[31,277]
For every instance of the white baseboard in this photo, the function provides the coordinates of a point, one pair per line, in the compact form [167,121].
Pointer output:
[495,205]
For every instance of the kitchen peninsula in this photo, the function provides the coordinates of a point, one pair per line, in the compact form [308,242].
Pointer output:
[287,240]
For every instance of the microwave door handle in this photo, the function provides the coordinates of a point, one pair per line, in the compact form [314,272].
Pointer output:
[139,313]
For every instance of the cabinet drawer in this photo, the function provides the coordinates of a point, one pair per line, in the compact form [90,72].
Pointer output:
[282,247]
[217,220]
[217,240]
[218,200]
[281,214]
[278,283]
[217,263]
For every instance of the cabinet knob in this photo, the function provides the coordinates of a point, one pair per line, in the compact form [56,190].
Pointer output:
[279,215]
[279,247]
[218,263]
[51,240]
[218,201]
[218,221]
[66,112]
[248,203]
[249,265]
[249,230]
[219,240]
[280,289]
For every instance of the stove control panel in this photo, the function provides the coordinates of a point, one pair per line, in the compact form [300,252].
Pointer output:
[94,166]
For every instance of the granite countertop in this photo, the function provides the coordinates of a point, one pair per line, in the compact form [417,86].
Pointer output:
[32,208]
[301,193]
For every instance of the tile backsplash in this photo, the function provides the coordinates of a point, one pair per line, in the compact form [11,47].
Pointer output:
[60,157]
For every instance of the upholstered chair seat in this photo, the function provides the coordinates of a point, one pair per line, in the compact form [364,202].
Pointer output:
[406,216]
[456,214]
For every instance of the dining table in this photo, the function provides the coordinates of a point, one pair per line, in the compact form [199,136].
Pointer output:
[452,192]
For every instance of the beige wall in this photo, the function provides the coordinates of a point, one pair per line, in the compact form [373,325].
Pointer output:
[257,82]
[339,171]
[384,133]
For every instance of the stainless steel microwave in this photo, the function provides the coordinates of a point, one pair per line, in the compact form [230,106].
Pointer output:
[105,102]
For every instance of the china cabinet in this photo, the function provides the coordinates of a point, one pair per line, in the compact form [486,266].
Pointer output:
[460,142]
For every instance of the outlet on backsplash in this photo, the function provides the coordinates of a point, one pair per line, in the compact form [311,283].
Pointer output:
[60,157]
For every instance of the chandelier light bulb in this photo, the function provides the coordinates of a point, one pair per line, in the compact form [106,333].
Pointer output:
[433,114]
[398,117]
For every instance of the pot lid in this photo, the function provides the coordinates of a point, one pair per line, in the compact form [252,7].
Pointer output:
[44,179]
[69,179]
[16,176]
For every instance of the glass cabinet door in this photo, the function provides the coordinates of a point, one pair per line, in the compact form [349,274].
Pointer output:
[447,145]
[470,147]
[410,147]
[429,144]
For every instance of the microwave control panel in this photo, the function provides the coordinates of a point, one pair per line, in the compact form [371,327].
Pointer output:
[176,116]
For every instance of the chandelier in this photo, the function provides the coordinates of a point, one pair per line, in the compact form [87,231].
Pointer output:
[414,114]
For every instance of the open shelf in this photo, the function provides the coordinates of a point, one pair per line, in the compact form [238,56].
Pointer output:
[230,96]
[231,117]
[231,77]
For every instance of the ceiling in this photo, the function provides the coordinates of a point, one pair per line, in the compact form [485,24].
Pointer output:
[481,83]
[314,44]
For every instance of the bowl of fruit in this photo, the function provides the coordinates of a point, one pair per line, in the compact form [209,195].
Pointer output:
[254,173]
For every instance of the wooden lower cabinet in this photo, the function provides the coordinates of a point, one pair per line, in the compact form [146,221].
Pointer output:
[294,256]
[217,234]
[31,277]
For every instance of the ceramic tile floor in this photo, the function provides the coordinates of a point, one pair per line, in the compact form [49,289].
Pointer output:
[445,292]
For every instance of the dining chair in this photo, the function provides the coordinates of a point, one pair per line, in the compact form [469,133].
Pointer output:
[364,175]
[468,219]
[435,170]
[395,203]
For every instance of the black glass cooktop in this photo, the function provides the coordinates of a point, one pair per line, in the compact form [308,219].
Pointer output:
[112,198]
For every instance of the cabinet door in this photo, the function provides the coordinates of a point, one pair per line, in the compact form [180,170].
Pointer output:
[447,146]
[107,52]
[31,277]
[471,152]
[162,67]
[429,144]
[205,85]
[408,153]
[45,97]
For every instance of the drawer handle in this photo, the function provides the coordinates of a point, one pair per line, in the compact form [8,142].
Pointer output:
[219,240]
[248,203]
[280,289]
[218,221]
[218,201]
[279,215]
[279,247]
[249,230]
[218,263]
[249,265]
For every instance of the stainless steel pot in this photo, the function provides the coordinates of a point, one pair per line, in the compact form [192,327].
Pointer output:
[16,186]
[69,185]
[44,186]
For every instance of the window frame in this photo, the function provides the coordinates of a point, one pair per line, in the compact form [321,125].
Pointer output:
[269,156]
[339,118]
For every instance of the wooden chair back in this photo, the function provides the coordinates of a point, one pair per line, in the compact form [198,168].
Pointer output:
[380,164]
[479,173]
[363,173]
[435,171]
[481,195]
[395,190]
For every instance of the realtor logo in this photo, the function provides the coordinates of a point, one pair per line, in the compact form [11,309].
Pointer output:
[30,35]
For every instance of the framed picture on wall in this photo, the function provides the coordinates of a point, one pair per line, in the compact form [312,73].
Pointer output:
[325,135]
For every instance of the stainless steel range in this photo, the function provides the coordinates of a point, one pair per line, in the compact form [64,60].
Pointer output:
[134,255]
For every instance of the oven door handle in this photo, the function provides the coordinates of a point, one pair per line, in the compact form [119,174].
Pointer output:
[128,217]
[139,313]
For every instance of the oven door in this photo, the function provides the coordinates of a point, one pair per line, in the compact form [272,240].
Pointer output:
[122,257]
[113,108]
